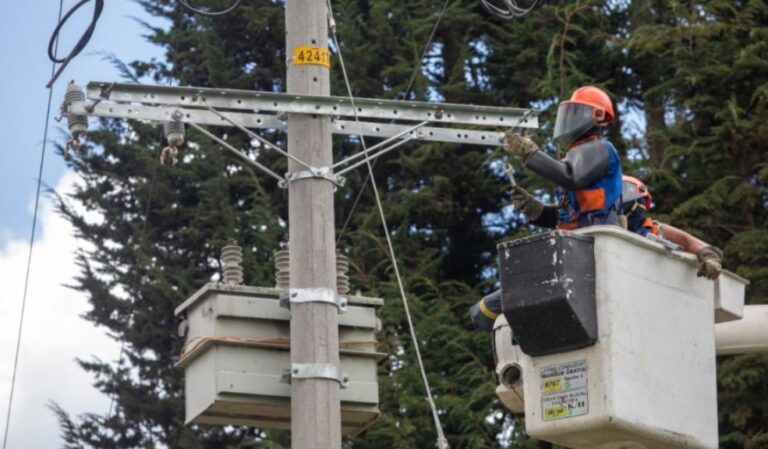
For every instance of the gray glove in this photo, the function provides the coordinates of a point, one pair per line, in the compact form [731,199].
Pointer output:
[519,145]
[526,203]
[710,262]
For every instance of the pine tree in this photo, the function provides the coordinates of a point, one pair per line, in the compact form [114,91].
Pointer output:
[694,70]
[709,172]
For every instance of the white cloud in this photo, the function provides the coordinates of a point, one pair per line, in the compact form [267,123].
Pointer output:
[54,334]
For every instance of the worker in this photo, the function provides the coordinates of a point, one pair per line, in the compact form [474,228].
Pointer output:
[588,178]
[636,201]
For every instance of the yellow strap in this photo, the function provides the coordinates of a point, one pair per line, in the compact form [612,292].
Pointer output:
[486,311]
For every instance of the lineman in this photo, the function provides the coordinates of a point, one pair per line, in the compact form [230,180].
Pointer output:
[635,204]
[588,178]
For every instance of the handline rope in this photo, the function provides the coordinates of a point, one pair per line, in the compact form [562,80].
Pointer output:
[442,443]
[407,92]
[135,281]
[142,234]
[31,243]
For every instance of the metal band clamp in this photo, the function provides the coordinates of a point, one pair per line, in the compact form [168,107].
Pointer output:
[316,371]
[307,295]
[314,172]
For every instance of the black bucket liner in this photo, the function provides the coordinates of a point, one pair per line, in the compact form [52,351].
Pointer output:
[548,291]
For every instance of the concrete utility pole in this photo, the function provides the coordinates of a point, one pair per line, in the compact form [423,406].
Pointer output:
[315,405]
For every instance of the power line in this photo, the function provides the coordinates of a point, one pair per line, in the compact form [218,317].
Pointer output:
[135,281]
[407,92]
[192,9]
[442,443]
[98,7]
[31,242]
[511,9]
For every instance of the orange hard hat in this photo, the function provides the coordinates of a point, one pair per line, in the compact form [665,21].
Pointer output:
[634,189]
[598,99]
[588,108]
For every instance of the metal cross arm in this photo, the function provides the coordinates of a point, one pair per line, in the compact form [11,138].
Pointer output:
[254,109]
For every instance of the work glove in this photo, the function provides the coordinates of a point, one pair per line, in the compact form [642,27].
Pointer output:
[519,145]
[710,262]
[526,203]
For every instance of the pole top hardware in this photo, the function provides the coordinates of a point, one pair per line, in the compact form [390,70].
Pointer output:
[307,295]
[327,371]
[314,172]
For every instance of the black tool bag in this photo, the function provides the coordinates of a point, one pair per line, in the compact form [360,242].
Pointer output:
[548,291]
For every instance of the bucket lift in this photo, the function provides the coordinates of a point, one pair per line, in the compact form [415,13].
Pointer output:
[608,340]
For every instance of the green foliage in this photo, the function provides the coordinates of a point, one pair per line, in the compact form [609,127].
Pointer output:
[694,72]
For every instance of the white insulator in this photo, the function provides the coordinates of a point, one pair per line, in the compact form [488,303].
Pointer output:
[77,123]
[283,271]
[231,259]
[282,265]
[174,133]
[342,278]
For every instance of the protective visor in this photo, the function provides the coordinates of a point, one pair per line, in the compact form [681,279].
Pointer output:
[629,193]
[573,120]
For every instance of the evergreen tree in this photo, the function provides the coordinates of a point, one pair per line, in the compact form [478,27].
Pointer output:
[694,70]
[710,173]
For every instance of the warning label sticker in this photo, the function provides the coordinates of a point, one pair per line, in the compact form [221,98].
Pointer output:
[564,390]
[564,405]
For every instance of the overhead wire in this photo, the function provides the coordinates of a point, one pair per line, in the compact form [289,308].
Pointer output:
[20,328]
[512,9]
[406,93]
[442,442]
[185,4]
[98,7]
[135,280]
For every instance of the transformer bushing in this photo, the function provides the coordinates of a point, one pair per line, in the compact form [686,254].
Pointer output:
[283,271]
[232,258]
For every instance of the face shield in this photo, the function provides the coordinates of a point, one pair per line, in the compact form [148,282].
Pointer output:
[631,193]
[573,120]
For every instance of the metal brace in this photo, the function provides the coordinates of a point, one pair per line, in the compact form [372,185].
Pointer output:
[307,295]
[314,172]
[316,371]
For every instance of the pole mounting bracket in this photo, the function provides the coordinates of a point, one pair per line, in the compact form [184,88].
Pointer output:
[327,371]
[314,173]
[308,295]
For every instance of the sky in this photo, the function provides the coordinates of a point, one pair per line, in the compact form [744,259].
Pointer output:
[54,333]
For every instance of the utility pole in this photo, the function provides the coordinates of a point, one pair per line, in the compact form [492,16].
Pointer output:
[315,404]
[312,117]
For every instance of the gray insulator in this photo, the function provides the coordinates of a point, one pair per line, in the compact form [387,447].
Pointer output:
[282,264]
[283,271]
[342,278]
[77,123]
[174,133]
[232,258]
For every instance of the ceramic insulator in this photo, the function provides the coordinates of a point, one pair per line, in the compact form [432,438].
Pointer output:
[232,258]
[174,133]
[283,271]
[77,123]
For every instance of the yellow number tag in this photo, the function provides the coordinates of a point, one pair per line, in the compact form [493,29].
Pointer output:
[312,56]
[554,412]
[552,385]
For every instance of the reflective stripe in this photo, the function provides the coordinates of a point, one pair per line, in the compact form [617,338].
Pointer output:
[486,311]
[590,200]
